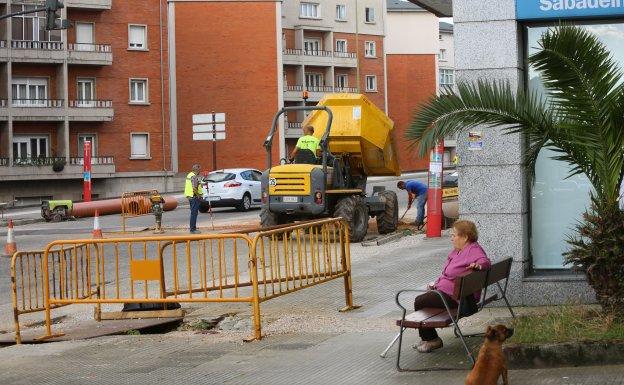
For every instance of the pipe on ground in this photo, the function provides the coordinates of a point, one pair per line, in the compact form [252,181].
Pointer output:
[113,206]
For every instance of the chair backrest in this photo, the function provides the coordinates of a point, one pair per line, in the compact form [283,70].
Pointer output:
[469,284]
[499,271]
[305,156]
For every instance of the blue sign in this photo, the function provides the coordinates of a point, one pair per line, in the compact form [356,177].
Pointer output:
[86,176]
[567,9]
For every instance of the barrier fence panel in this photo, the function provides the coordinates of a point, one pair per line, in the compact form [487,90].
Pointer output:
[135,204]
[198,268]
[295,257]
[28,280]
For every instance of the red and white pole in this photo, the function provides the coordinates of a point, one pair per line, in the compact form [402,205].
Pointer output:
[87,172]
[434,193]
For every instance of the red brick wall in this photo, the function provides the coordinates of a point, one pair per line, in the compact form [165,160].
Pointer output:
[289,34]
[411,82]
[48,71]
[49,129]
[372,66]
[291,75]
[226,70]
[112,83]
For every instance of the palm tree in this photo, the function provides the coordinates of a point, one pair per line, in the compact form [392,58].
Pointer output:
[581,120]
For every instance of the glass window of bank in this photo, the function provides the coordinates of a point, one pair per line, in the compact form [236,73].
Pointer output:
[557,203]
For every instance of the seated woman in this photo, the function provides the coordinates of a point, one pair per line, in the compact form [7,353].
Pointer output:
[467,254]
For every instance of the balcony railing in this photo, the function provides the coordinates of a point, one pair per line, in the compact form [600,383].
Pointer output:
[4,162]
[293,51]
[3,44]
[91,103]
[96,160]
[37,161]
[293,124]
[82,47]
[40,103]
[33,44]
[3,103]
[320,88]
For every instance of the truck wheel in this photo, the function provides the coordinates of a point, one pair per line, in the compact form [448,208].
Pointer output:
[268,219]
[388,219]
[354,211]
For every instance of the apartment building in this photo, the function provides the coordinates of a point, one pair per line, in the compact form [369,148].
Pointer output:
[446,73]
[103,81]
[331,46]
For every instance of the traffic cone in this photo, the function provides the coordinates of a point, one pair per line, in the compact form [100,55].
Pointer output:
[97,231]
[11,247]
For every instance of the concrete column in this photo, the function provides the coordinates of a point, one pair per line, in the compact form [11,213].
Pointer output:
[280,77]
[9,77]
[173,100]
[299,39]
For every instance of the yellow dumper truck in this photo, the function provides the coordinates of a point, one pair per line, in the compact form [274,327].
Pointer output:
[356,142]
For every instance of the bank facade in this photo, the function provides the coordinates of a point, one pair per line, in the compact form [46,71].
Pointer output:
[516,218]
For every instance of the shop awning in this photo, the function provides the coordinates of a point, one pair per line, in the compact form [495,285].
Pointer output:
[440,8]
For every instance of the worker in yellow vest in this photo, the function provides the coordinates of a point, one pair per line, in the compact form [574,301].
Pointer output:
[192,191]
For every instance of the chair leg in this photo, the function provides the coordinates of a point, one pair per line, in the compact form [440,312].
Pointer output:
[383,354]
[461,336]
[504,295]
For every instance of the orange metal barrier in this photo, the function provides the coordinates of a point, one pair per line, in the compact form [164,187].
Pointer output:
[135,204]
[28,279]
[206,268]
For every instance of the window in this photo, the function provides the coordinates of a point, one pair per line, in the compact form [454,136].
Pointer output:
[341,46]
[85,93]
[442,55]
[314,82]
[29,92]
[369,14]
[137,37]
[247,175]
[28,147]
[257,175]
[371,83]
[310,11]
[341,12]
[447,77]
[369,49]
[82,138]
[312,46]
[31,28]
[139,146]
[138,91]
[342,81]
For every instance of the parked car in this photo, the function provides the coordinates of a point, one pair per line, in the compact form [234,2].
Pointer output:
[232,187]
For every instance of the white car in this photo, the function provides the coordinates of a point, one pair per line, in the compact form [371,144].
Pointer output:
[231,187]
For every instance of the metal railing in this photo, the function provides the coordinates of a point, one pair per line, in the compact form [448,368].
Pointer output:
[34,44]
[82,47]
[293,88]
[204,268]
[91,103]
[67,278]
[351,90]
[3,43]
[41,103]
[320,88]
[4,161]
[3,103]
[299,52]
[293,124]
[96,160]
[135,204]
[37,160]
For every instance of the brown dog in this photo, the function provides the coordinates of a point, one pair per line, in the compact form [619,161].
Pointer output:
[491,363]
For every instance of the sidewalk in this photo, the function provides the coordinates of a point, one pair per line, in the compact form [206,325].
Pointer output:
[307,341]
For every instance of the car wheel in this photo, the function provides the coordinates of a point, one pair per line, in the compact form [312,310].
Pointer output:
[245,204]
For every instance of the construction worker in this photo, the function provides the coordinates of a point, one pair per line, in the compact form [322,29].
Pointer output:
[307,142]
[192,191]
[415,191]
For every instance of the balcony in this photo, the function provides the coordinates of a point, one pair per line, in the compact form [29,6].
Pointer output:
[294,93]
[4,162]
[38,109]
[89,4]
[4,111]
[90,54]
[41,168]
[31,51]
[91,111]
[293,130]
[4,52]
[319,58]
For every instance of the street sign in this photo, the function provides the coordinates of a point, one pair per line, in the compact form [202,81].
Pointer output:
[208,136]
[219,127]
[219,117]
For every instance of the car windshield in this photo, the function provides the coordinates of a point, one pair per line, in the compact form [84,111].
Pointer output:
[220,177]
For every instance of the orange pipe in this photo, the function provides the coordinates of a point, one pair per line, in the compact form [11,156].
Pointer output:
[112,206]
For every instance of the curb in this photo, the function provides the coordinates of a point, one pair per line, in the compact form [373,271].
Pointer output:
[21,222]
[564,354]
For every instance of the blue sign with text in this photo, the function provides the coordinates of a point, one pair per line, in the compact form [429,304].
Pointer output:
[567,9]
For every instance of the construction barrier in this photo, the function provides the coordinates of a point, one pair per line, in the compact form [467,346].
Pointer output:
[135,204]
[242,267]
[28,281]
